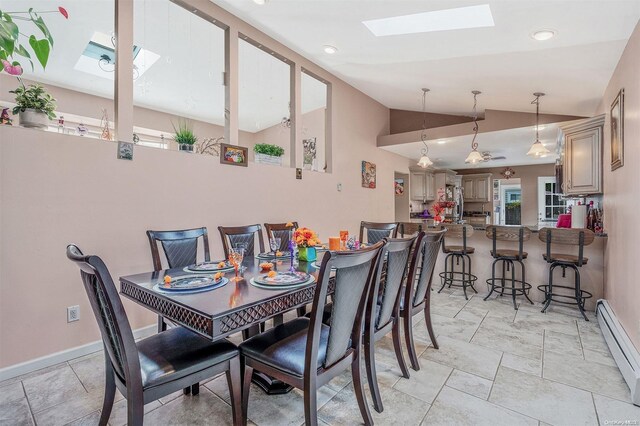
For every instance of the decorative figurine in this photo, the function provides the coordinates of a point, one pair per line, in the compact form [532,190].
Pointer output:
[4,117]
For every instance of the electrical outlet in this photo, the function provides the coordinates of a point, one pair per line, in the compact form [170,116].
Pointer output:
[73,313]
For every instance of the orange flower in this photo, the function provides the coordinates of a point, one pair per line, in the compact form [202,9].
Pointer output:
[222,264]
[167,279]
[218,275]
[278,253]
[272,274]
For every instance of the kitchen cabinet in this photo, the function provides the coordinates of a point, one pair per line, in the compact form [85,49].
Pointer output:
[422,186]
[477,188]
[582,159]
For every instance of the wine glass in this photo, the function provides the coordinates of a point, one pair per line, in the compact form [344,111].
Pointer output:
[236,255]
[274,243]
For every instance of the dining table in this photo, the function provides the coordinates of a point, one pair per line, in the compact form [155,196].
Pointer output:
[234,307]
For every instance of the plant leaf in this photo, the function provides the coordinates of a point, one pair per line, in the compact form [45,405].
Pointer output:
[22,51]
[10,28]
[43,27]
[7,45]
[41,48]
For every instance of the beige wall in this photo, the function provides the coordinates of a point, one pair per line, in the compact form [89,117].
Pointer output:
[56,189]
[622,194]
[529,182]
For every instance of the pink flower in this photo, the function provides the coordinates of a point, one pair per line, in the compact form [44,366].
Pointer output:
[63,11]
[14,69]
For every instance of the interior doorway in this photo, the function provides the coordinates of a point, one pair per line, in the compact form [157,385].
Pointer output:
[510,202]
[401,191]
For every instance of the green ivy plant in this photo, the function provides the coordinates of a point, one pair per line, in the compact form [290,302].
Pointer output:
[34,97]
[183,133]
[12,38]
[268,149]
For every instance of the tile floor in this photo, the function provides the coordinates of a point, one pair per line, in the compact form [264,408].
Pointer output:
[495,366]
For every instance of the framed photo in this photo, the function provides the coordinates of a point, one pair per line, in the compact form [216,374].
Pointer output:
[125,151]
[234,155]
[617,131]
[368,175]
[399,186]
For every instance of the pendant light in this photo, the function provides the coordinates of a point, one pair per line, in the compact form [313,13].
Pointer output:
[538,150]
[474,156]
[425,161]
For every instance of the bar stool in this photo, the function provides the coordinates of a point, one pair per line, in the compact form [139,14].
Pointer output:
[573,237]
[508,257]
[459,253]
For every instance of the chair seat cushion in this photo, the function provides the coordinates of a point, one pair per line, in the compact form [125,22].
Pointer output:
[565,258]
[283,347]
[509,254]
[458,249]
[177,353]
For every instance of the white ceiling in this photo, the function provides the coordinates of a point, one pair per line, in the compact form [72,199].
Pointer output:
[512,143]
[503,61]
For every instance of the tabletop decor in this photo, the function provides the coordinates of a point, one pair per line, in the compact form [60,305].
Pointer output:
[233,155]
[306,240]
[617,131]
[215,266]
[279,280]
[190,284]
[268,154]
[437,212]
[368,175]
[184,136]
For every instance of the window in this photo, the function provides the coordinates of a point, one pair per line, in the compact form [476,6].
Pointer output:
[314,123]
[550,202]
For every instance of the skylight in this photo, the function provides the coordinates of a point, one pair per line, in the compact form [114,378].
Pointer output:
[438,20]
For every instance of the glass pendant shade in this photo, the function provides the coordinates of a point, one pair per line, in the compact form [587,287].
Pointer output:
[538,150]
[474,157]
[425,162]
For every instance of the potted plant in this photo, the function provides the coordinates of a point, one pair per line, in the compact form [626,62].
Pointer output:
[34,105]
[184,136]
[268,154]
[306,240]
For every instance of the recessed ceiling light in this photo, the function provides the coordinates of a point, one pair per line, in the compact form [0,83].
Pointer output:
[329,49]
[260,2]
[442,142]
[438,20]
[543,35]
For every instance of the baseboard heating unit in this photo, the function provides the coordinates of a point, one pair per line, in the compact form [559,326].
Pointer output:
[623,351]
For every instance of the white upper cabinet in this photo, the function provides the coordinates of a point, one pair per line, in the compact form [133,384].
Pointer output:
[582,162]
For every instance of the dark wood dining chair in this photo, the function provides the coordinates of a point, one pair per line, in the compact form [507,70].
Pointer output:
[417,295]
[307,354]
[409,229]
[377,231]
[282,231]
[154,367]
[180,247]
[383,309]
[233,235]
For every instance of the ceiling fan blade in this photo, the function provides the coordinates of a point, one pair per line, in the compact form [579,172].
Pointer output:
[502,157]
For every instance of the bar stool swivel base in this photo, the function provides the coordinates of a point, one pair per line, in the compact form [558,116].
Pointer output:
[577,298]
[501,284]
[454,278]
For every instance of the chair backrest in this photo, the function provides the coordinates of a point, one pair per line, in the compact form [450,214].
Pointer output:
[180,247]
[459,231]
[397,254]
[509,233]
[110,314]
[233,235]
[423,262]
[409,229]
[377,231]
[354,274]
[282,231]
[567,236]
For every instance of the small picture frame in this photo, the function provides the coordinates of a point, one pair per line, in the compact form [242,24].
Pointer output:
[617,131]
[125,150]
[399,186]
[368,175]
[234,155]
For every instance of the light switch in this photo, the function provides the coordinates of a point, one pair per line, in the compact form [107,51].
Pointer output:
[339,187]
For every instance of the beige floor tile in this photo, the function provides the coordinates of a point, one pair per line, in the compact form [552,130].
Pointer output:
[202,409]
[591,336]
[11,392]
[89,420]
[562,343]
[468,357]
[587,375]
[545,400]
[15,413]
[36,373]
[119,412]
[52,388]
[445,326]
[72,409]
[425,384]
[453,407]
[514,338]
[470,383]
[612,412]
[599,357]
[525,365]
[532,317]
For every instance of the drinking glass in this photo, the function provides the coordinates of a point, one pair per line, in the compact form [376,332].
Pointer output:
[344,236]
[274,243]
[236,255]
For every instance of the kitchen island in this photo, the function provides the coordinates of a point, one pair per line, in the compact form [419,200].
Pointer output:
[537,269]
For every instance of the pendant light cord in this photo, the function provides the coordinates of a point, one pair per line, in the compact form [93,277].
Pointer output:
[536,101]
[423,135]
[474,144]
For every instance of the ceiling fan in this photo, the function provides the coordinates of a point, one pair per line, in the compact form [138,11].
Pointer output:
[486,156]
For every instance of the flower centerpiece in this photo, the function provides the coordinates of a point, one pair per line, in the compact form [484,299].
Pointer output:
[437,213]
[306,240]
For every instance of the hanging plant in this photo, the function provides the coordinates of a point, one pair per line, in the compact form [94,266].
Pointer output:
[12,39]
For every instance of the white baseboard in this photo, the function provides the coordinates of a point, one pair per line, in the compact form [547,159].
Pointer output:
[66,355]
[624,352]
